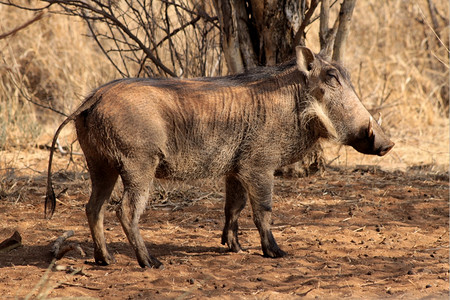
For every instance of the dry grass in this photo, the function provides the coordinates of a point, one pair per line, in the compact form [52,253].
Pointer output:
[398,65]
[51,62]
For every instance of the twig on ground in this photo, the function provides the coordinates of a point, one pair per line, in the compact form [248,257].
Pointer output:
[82,286]
[64,152]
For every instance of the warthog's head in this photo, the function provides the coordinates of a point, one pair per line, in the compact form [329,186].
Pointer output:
[334,104]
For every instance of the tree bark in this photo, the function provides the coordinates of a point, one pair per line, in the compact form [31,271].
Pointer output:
[324,17]
[236,40]
[256,32]
[345,17]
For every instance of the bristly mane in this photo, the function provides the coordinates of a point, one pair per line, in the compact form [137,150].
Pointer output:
[262,72]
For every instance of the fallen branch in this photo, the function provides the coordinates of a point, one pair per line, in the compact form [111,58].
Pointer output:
[59,250]
[11,243]
[66,248]
[59,241]
[64,152]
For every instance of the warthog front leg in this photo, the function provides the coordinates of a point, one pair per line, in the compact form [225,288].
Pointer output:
[236,197]
[103,180]
[260,193]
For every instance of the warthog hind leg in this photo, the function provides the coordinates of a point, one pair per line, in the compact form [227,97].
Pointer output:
[134,199]
[236,197]
[103,179]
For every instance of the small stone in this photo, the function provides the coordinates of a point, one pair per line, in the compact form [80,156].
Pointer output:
[60,268]
[428,286]
[191,281]
[411,272]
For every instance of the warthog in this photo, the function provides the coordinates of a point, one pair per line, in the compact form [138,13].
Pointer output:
[242,127]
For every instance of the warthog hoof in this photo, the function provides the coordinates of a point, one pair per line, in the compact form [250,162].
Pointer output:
[231,241]
[104,260]
[274,252]
[150,262]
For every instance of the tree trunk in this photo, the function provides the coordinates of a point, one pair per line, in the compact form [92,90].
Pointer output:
[236,40]
[264,33]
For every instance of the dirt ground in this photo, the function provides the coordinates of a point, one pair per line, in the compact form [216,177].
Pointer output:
[355,232]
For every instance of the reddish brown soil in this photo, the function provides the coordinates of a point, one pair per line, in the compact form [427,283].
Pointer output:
[353,233]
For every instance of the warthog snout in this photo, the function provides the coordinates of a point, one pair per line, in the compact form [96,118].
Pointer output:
[372,140]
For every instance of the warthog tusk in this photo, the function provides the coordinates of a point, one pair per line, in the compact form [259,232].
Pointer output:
[380,120]
[370,128]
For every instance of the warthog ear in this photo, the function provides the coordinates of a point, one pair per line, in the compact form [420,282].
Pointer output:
[305,58]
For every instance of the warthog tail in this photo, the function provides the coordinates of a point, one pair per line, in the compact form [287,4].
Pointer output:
[50,198]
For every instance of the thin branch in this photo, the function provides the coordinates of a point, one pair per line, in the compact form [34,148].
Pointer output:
[298,39]
[174,32]
[431,28]
[94,36]
[36,18]
[202,14]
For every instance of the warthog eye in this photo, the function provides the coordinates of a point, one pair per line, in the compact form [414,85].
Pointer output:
[332,74]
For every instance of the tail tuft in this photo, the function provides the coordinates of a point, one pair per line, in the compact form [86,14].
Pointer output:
[50,203]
